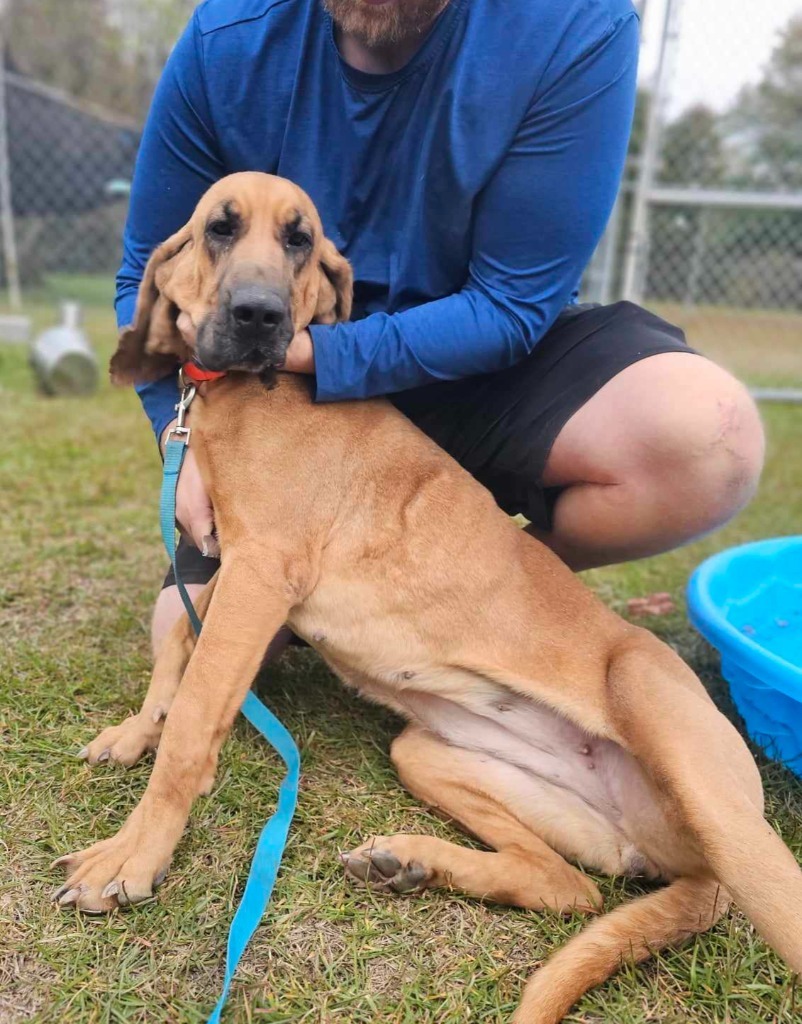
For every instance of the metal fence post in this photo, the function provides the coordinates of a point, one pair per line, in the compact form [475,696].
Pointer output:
[636,257]
[10,257]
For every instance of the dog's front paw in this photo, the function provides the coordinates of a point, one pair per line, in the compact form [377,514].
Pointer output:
[382,863]
[116,872]
[127,742]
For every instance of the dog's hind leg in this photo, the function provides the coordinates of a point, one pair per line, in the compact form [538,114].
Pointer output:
[474,791]
[127,742]
[710,782]
[709,791]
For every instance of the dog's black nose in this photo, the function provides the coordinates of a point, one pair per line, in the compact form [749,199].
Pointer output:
[256,311]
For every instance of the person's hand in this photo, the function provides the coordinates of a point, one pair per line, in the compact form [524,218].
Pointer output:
[193,507]
[300,354]
[186,328]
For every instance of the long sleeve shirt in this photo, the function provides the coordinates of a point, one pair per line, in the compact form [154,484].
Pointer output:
[468,189]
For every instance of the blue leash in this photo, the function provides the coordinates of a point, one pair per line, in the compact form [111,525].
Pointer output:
[273,839]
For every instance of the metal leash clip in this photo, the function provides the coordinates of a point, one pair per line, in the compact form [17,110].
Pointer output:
[179,432]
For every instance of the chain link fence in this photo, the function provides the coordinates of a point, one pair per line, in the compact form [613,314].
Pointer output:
[70,170]
[75,83]
[708,226]
[707,229]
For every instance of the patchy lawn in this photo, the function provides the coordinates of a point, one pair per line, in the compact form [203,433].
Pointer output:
[82,560]
[761,346]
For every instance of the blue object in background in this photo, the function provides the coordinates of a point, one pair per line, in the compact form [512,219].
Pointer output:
[747,602]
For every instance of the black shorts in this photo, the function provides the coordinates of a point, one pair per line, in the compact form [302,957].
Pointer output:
[501,426]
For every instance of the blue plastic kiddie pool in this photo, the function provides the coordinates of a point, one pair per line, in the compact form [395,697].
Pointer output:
[747,602]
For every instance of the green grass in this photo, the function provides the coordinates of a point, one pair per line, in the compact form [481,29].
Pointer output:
[81,562]
[761,346]
[89,289]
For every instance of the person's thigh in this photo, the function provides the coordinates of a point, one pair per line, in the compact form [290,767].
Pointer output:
[502,427]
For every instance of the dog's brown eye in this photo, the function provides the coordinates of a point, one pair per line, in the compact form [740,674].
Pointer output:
[221,228]
[298,240]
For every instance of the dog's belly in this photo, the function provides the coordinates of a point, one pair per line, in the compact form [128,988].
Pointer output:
[554,762]
[568,781]
[389,663]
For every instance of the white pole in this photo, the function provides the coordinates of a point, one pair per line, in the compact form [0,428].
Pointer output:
[10,257]
[636,260]
[611,251]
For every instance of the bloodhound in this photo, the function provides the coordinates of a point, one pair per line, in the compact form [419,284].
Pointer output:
[538,720]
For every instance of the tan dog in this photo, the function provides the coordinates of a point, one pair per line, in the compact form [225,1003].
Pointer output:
[538,720]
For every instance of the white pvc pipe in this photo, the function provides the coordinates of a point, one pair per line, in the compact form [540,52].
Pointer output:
[792,396]
[10,256]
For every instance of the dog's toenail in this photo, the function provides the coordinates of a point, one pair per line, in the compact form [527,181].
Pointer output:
[111,890]
[69,897]
[104,756]
[160,877]
[83,753]
[158,715]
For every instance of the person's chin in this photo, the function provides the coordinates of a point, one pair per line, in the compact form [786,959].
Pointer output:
[382,22]
[375,22]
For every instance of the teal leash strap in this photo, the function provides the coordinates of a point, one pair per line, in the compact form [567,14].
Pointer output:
[174,452]
[273,839]
[269,848]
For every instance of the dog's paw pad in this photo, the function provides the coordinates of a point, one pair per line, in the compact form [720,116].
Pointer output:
[116,872]
[377,868]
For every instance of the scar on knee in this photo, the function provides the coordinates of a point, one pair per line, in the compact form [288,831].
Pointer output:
[741,476]
[730,424]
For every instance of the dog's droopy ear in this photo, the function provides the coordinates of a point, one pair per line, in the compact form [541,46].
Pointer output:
[336,291]
[152,345]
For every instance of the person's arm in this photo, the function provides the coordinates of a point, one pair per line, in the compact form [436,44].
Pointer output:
[178,160]
[537,224]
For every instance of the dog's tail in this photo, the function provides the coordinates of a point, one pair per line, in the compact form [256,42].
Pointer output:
[629,934]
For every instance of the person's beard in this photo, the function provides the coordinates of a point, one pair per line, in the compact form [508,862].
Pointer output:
[380,24]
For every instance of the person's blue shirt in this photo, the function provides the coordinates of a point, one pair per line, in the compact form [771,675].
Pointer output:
[468,189]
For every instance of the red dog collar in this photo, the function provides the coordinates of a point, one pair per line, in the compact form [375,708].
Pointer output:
[198,375]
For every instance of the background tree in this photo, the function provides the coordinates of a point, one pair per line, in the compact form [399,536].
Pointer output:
[109,52]
[693,150]
[766,122]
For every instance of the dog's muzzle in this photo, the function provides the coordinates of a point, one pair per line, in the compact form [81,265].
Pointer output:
[251,330]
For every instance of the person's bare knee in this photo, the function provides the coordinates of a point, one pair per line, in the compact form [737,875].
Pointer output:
[668,450]
[729,468]
[168,609]
[699,457]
